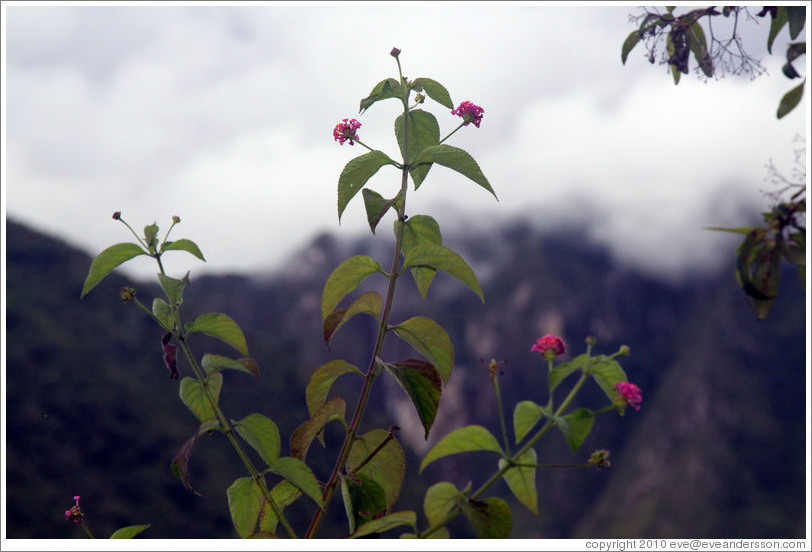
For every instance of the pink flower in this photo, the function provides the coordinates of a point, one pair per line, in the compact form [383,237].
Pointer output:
[75,513]
[346,130]
[630,394]
[549,346]
[470,112]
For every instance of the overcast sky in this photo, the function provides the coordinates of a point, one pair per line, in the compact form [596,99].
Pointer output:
[224,117]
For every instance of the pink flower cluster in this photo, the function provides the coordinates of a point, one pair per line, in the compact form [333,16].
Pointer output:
[346,130]
[549,346]
[629,394]
[471,112]
[75,513]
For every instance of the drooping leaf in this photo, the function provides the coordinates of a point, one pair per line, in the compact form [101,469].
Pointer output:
[368,303]
[440,499]
[699,47]
[194,396]
[441,258]
[435,91]
[422,383]
[423,131]
[180,463]
[387,88]
[244,502]
[163,312]
[184,245]
[607,373]
[322,380]
[364,500]
[576,426]
[562,371]
[376,207]
[355,175]
[345,278]
[791,100]
[778,22]
[431,341]
[522,479]
[387,522]
[299,475]
[151,236]
[284,494]
[628,45]
[262,434]
[387,467]
[173,288]
[420,229]
[465,439]
[130,532]
[455,159]
[526,415]
[215,363]
[107,261]
[303,436]
[220,326]
[796,17]
[491,518]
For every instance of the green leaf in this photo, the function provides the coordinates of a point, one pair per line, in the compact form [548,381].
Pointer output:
[699,47]
[440,499]
[766,278]
[107,261]
[376,207]
[465,439]
[607,373]
[303,436]
[130,532]
[777,24]
[387,522]
[184,245]
[387,88]
[194,396]
[163,312]
[364,499]
[322,380]
[491,517]
[262,434]
[562,371]
[424,131]
[431,341]
[151,236]
[244,502]
[387,467]
[456,159]
[214,363]
[628,45]
[441,258]
[522,479]
[576,426]
[220,326]
[355,175]
[345,278]
[284,494]
[300,475]
[796,17]
[526,415]
[422,383]
[368,303]
[791,100]
[173,288]
[435,91]
[420,229]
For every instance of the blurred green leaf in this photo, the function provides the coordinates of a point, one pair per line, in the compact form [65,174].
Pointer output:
[440,499]
[299,475]
[107,261]
[456,159]
[262,434]
[387,467]
[345,278]
[777,24]
[607,373]
[522,479]
[368,303]
[284,494]
[163,312]
[376,207]
[184,245]
[424,131]
[222,327]
[420,229]
[431,341]
[130,532]
[387,88]
[303,436]
[355,175]
[791,100]
[562,371]
[364,499]
[465,439]
[441,258]
[194,396]
[435,91]
[385,523]
[699,47]
[576,426]
[173,288]
[491,517]
[322,380]
[244,502]
[796,17]
[151,236]
[214,363]
[421,382]
[526,415]
[628,45]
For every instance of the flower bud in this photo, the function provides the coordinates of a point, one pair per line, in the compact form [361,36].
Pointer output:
[600,459]
[176,219]
[624,350]
[127,294]
[394,53]
[117,215]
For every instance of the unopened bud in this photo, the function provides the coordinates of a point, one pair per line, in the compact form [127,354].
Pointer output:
[395,52]
[127,294]
[117,215]
[591,340]
[624,350]
[176,219]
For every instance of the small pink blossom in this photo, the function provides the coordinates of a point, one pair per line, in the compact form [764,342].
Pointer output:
[346,130]
[75,513]
[549,346]
[630,394]
[470,112]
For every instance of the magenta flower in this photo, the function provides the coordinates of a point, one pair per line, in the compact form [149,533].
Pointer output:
[470,112]
[346,130]
[630,394]
[75,513]
[549,346]
[117,215]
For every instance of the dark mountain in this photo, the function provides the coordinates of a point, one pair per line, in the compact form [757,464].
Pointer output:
[717,450]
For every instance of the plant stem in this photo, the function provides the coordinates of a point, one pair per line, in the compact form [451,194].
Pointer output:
[383,328]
